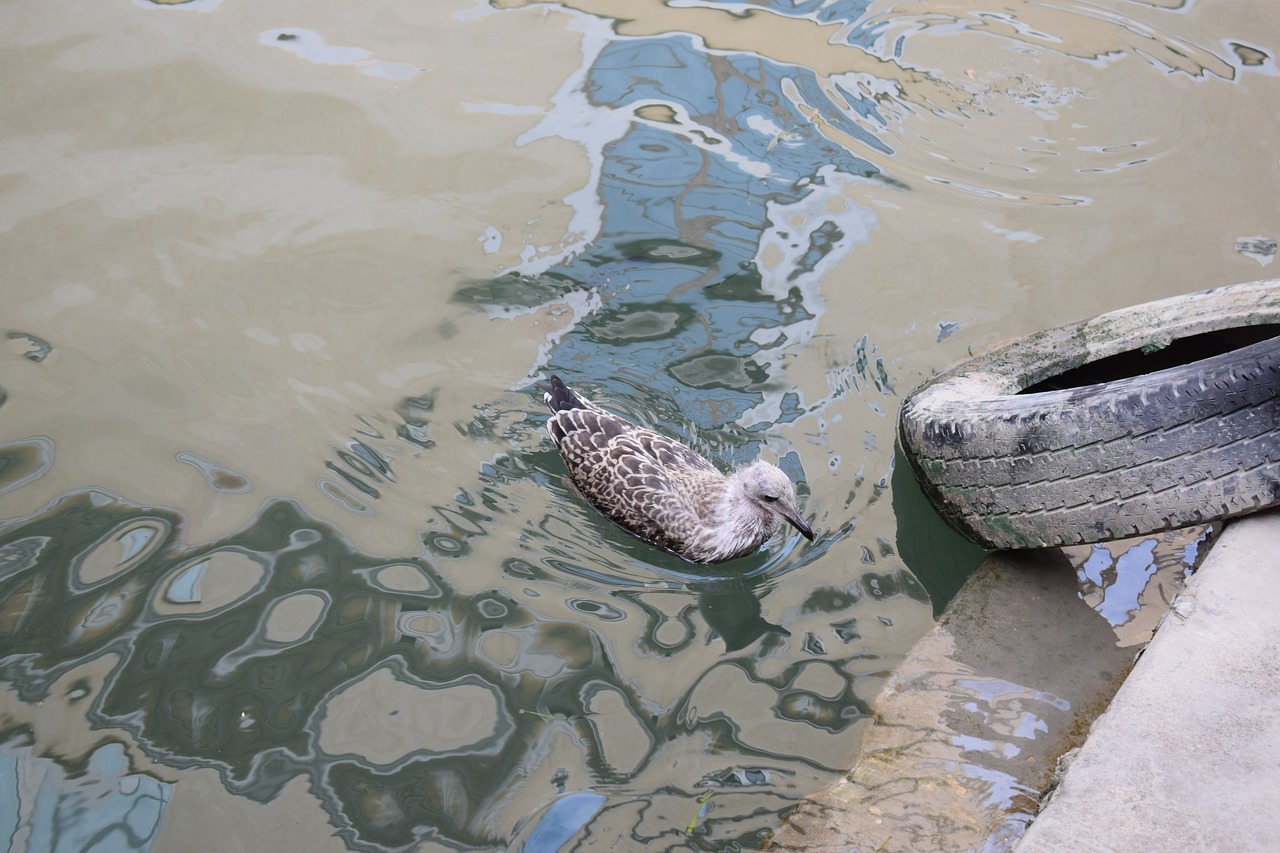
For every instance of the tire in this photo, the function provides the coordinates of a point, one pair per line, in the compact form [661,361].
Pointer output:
[1150,442]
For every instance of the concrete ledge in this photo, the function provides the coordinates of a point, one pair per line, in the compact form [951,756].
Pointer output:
[970,725]
[1187,757]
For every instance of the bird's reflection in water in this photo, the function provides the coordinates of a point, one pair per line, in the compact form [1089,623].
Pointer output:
[732,610]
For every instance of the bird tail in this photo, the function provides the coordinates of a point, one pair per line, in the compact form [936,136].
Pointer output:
[559,397]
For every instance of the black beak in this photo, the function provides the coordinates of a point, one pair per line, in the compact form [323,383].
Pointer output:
[794,519]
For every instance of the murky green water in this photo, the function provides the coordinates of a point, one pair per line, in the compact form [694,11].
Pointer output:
[288,560]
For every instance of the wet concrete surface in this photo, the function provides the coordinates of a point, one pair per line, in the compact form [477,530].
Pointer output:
[969,729]
[1186,756]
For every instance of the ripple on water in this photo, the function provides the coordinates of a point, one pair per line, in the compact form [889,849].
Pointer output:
[121,549]
[208,584]
[219,478]
[384,718]
[23,461]
[996,108]
[406,577]
[294,618]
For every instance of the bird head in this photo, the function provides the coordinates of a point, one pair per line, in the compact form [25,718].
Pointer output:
[768,487]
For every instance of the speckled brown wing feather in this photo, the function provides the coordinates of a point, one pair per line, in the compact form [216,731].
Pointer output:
[644,482]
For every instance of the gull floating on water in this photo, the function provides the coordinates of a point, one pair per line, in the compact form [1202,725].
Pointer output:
[664,492]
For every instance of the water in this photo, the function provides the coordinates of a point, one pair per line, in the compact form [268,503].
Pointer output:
[288,558]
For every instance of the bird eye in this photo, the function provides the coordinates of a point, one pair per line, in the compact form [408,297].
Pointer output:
[768,498]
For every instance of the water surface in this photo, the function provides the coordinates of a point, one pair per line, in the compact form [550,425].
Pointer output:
[288,558]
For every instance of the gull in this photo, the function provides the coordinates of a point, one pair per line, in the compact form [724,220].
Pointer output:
[662,491]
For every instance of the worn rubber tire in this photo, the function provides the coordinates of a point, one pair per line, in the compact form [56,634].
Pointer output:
[1135,455]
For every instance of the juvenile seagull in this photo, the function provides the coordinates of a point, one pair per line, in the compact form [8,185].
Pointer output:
[664,492]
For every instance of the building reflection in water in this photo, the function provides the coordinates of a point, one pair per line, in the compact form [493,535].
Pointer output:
[413,711]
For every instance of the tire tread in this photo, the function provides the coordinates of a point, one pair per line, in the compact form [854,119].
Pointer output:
[1181,446]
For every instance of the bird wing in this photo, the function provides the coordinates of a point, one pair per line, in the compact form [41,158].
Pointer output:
[631,474]
[672,454]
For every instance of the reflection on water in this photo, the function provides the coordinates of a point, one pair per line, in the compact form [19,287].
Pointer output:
[278,280]
[99,806]
[1131,584]
[413,711]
